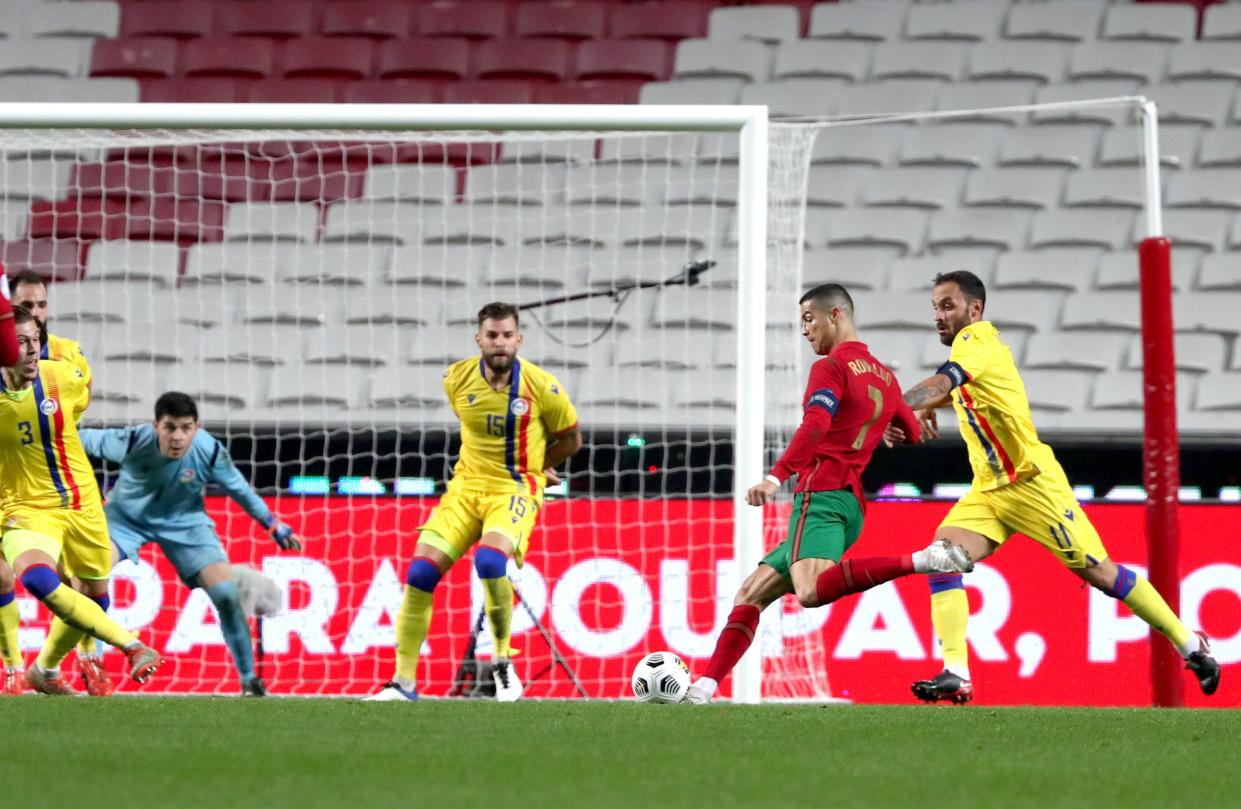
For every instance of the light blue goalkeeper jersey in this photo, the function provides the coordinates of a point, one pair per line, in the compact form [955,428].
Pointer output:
[159,493]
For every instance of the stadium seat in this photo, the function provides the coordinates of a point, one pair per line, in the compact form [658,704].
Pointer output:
[698,91]
[53,259]
[927,188]
[1104,188]
[691,351]
[1079,91]
[1125,390]
[205,91]
[615,184]
[1049,147]
[680,307]
[1195,353]
[960,20]
[103,302]
[1108,229]
[1116,311]
[173,219]
[523,59]
[1216,188]
[978,227]
[391,91]
[1159,22]
[1204,60]
[1056,21]
[77,218]
[373,220]
[1064,269]
[898,349]
[573,224]
[444,58]
[1203,103]
[377,19]
[698,226]
[1029,310]
[705,390]
[413,388]
[328,58]
[856,269]
[703,186]
[857,145]
[633,265]
[940,61]
[360,346]
[489,92]
[402,307]
[1068,351]
[230,263]
[897,230]
[713,59]
[1199,230]
[272,221]
[572,20]
[885,98]
[157,342]
[1042,62]
[41,57]
[1033,188]
[1219,148]
[1219,272]
[822,59]
[646,59]
[138,58]
[131,385]
[1219,392]
[84,18]
[534,267]
[588,92]
[342,264]
[670,20]
[567,148]
[1118,270]
[1215,312]
[34,179]
[1221,21]
[1233,239]
[238,391]
[774,23]
[294,305]
[833,186]
[143,262]
[292,91]
[275,20]
[872,22]
[980,97]
[514,184]
[1124,146]
[225,57]
[424,183]
[473,19]
[437,266]
[894,310]
[915,273]
[1104,61]
[180,19]
[661,148]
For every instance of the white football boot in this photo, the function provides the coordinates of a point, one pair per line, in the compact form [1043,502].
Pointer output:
[944,557]
[391,692]
[508,684]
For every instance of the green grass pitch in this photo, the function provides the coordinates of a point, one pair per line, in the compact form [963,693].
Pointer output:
[221,753]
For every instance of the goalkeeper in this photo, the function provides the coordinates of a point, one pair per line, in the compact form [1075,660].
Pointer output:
[165,466]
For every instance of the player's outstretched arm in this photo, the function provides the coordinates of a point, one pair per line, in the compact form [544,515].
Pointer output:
[112,444]
[224,473]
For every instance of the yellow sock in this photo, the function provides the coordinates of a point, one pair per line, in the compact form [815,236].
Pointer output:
[84,615]
[10,650]
[412,622]
[1146,603]
[89,647]
[60,639]
[498,601]
[950,614]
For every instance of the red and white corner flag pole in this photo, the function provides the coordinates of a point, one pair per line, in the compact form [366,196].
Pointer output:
[1160,444]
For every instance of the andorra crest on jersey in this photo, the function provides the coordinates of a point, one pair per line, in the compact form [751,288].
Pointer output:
[187,475]
[48,406]
[519,407]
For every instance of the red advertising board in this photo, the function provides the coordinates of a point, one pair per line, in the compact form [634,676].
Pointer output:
[614,579]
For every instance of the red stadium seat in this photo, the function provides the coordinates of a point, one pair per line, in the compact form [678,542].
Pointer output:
[269,19]
[78,218]
[647,59]
[314,180]
[392,91]
[117,180]
[138,58]
[203,91]
[182,19]
[293,91]
[328,57]
[528,59]
[488,92]
[589,92]
[443,59]
[670,20]
[475,19]
[565,19]
[380,19]
[225,180]
[54,259]
[177,220]
[236,57]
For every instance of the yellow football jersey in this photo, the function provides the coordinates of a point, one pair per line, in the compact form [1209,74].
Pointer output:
[42,463]
[504,433]
[62,348]
[992,409]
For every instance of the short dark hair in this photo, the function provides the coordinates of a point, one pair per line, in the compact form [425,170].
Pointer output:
[26,277]
[22,314]
[825,296]
[498,310]
[971,285]
[176,404]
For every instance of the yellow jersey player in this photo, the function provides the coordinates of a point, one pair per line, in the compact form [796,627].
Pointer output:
[50,508]
[30,292]
[517,424]
[1018,488]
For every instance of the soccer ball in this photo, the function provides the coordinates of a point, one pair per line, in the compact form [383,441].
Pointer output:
[660,677]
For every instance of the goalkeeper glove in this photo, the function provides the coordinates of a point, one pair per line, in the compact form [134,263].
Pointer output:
[284,536]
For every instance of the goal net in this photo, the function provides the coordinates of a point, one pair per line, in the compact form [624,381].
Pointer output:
[308,288]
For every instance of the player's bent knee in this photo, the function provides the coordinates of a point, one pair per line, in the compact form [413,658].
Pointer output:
[490,563]
[809,599]
[40,581]
[422,575]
